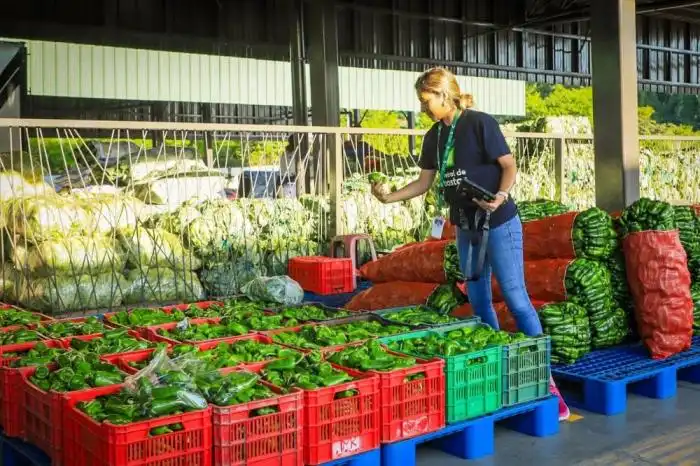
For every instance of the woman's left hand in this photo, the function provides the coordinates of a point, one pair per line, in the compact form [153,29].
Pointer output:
[490,206]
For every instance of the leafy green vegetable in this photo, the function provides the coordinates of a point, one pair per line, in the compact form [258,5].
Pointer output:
[419,315]
[60,329]
[463,340]
[370,356]
[307,373]
[76,371]
[569,327]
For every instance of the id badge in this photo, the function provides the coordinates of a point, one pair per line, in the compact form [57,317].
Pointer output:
[438,226]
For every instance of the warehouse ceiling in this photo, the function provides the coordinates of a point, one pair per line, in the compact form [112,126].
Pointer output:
[528,40]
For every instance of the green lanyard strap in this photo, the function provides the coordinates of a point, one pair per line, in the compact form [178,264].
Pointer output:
[442,160]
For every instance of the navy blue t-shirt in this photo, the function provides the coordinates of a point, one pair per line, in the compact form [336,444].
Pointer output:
[478,143]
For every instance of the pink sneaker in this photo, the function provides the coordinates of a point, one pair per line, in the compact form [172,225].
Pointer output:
[564,412]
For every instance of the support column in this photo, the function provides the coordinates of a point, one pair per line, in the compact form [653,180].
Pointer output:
[616,134]
[299,142]
[325,100]
[297,53]
[411,121]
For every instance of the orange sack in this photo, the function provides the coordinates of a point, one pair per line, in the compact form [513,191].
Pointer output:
[392,294]
[549,238]
[506,321]
[544,280]
[659,281]
[422,262]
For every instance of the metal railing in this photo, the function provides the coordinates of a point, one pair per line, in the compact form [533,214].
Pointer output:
[177,211]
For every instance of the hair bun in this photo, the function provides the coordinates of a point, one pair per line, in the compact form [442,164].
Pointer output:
[466,101]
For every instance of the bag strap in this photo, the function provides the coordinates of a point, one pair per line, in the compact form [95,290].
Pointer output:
[483,246]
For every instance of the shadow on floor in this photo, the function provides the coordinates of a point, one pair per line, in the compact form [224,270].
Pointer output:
[651,432]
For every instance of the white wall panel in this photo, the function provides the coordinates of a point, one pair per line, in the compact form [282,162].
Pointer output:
[91,71]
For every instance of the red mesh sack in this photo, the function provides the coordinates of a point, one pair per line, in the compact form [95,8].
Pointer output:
[549,238]
[697,209]
[544,280]
[506,321]
[422,262]
[659,281]
[393,294]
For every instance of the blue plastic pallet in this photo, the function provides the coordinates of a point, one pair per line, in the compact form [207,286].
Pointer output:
[368,458]
[602,377]
[336,300]
[18,453]
[474,438]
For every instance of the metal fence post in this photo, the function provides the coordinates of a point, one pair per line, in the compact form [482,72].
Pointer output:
[559,148]
[335,182]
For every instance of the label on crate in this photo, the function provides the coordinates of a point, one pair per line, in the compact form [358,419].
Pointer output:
[347,447]
[413,427]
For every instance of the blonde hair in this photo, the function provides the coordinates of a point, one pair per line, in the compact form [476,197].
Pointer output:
[440,81]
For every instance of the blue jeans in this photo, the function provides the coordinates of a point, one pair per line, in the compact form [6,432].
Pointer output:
[504,257]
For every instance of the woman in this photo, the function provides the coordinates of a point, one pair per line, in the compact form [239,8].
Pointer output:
[467,143]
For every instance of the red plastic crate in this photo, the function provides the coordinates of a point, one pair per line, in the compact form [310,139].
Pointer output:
[11,392]
[271,440]
[338,428]
[45,418]
[17,347]
[323,275]
[410,408]
[90,444]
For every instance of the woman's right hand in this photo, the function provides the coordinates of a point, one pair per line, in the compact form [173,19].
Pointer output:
[381,191]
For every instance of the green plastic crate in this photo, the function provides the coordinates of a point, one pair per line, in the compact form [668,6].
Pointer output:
[526,370]
[473,381]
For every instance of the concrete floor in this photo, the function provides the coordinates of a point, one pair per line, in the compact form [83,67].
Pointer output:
[651,432]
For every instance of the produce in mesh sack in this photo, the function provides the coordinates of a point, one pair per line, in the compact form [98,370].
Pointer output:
[155,247]
[688,224]
[540,208]
[391,294]
[281,289]
[229,278]
[172,192]
[162,284]
[13,185]
[583,281]
[589,234]
[622,297]
[61,294]
[446,298]
[43,217]
[568,326]
[9,282]
[658,276]
[110,212]
[74,255]
[695,296]
[428,262]
[506,320]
